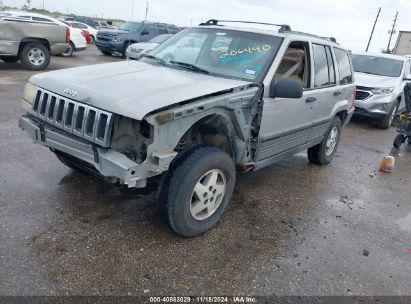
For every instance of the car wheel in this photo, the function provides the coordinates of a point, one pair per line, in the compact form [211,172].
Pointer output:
[92,39]
[10,59]
[399,140]
[66,161]
[389,118]
[69,52]
[124,52]
[324,152]
[106,53]
[35,56]
[197,190]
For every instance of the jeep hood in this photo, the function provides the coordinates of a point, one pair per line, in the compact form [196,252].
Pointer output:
[375,81]
[132,88]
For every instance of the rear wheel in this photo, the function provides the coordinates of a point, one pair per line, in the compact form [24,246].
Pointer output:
[70,51]
[10,59]
[92,39]
[324,152]
[197,190]
[35,56]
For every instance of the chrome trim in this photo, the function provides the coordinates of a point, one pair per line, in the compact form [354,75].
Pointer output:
[81,132]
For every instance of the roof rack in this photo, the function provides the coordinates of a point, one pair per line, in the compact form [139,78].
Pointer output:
[332,39]
[283,27]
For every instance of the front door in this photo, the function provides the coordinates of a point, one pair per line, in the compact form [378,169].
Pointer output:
[287,123]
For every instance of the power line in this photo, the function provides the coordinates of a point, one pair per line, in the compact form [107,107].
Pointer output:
[373,28]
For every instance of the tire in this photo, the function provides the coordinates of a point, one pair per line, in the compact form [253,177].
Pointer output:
[106,53]
[35,56]
[10,59]
[124,52]
[66,162]
[399,140]
[70,51]
[389,118]
[324,152]
[197,169]
[92,39]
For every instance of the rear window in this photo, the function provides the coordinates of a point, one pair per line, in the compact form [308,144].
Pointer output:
[323,66]
[344,66]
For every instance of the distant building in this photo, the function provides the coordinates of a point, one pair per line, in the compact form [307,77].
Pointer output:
[403,44]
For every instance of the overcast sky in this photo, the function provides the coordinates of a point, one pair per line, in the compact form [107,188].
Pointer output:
[350,21]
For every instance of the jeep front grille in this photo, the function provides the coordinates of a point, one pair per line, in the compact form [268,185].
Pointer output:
[73,117]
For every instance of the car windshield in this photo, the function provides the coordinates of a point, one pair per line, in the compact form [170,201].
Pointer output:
[131,26]
[161,38]
[377,65]
[220,52]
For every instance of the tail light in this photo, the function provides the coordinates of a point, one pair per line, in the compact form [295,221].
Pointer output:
[67,35]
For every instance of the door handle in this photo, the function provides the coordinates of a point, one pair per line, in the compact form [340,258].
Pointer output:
[311,99]
[338,93]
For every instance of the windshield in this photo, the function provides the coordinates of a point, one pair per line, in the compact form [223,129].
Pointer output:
[377,65]
[161,38]
[131,26]
[220,52]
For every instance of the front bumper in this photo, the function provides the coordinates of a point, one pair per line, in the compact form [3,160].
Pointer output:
[107,162]
[111,47]
[375,106]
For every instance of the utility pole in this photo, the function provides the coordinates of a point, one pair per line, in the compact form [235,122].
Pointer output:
[373,28]
[132,11]
[43,5]
[145,19]
[2,5]
[392,32]
[29,5]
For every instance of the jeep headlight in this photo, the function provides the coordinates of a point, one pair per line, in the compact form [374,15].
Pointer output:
[382,91]
[30,92]
[117,38]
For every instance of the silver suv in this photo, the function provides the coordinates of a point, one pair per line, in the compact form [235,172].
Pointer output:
[226,99]
[380,80]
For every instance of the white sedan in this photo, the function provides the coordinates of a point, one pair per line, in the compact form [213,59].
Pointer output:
[83,26]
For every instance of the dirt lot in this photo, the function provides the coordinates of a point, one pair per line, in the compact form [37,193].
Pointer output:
[291,229]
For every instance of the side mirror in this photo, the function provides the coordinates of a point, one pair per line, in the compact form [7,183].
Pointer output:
[286,88]
[408,77]
[144,33]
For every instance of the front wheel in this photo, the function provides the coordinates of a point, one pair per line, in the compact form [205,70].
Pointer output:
[324,152]
[198,190]
[389,118]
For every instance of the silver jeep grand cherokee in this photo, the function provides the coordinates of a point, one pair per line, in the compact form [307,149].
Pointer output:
[210,101]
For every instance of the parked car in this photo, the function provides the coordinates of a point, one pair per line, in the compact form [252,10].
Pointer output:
[92,31]
[380,80]
[78,41]
[31,38]
[117,41]
[268,95]
[136,50]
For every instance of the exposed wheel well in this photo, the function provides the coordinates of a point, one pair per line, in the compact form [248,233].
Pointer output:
[343,116]
[211,130]
[25,41]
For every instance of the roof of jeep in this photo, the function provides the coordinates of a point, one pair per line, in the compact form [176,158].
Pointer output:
[275,32]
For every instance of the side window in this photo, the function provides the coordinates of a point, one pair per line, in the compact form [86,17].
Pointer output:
[148,30]
[173,30]
[344,66]
[324,73]
[161,29]
[295,64]
[407,69]
[42,19]
[331,68]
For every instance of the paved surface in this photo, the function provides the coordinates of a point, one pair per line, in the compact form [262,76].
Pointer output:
[291,229]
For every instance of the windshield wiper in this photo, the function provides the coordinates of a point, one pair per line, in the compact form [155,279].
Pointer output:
[189,66]
[157,59]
